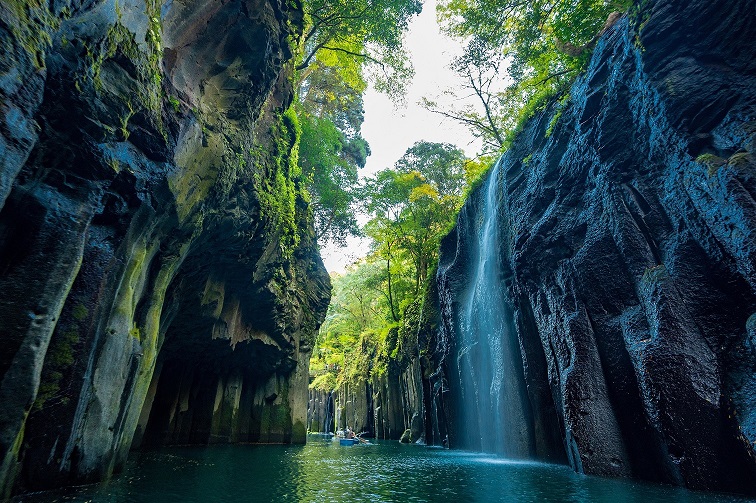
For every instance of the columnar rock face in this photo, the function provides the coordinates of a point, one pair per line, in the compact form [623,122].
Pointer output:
[320,411]
[627,251]
[159,279]
[383,407]
[405,396]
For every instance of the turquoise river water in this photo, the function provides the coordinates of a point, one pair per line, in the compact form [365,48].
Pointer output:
[323,471]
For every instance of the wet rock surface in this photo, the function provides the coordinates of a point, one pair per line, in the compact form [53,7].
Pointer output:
[628,241]
[150,291]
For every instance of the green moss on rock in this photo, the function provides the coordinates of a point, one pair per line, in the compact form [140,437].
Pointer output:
[80,312]
[31,23]
[281,188]
[298,432]
[59,359]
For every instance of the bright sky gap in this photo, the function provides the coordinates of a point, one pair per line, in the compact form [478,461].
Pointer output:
[390,131]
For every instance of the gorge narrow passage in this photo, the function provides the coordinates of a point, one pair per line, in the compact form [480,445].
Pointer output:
[551,283]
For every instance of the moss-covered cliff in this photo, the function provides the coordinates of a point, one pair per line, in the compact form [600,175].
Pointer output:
[159,275]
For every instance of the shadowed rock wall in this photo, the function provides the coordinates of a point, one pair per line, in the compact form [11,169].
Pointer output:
[628,240]
[159,275]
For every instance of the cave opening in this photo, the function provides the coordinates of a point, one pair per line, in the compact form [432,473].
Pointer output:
[217,379]
[214,393]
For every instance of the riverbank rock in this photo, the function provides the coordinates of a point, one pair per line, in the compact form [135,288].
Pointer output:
[627,241]
[160,281]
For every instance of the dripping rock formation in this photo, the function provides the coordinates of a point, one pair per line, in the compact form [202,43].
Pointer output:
[159,277]
[624,254]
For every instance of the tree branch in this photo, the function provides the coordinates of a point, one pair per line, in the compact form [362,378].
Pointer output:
[553,76]
[461,118]
[309,57]
[357,54]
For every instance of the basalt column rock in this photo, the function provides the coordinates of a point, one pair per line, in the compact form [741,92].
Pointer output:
[159,277]
[405,395]
[320,411]
[408,397]
[627,237]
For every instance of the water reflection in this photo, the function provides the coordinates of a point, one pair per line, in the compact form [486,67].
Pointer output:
[323,471]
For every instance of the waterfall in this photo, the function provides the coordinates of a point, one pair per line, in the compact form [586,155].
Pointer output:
[494,412]
[328,421]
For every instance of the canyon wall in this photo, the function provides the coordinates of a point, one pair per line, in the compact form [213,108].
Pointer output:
[383,407]
[626,257]
[401,401]
[159,277]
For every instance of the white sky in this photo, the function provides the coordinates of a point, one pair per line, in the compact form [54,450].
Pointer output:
[390,132]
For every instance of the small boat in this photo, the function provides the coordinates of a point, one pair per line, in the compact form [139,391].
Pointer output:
[343,440]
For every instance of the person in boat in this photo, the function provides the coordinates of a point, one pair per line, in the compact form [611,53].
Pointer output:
[349,433]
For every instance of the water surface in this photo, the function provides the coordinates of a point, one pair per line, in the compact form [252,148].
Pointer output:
[323,471]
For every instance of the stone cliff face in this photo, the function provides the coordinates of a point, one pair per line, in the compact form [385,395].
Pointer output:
[403,398]
[383,407]
[160,280]
[627,251]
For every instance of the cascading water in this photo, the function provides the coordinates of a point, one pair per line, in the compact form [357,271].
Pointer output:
[494,414]
[328,421]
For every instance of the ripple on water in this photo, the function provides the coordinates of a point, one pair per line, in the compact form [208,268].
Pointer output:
[386,472]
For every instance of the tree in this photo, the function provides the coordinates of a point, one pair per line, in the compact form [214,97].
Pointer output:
[530,32]
[352,339]
[485,116]
[331,149]
[360,32]
[336,93]
[413,205]
[343,41]
[542,45]
[329,160]
[441,164]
